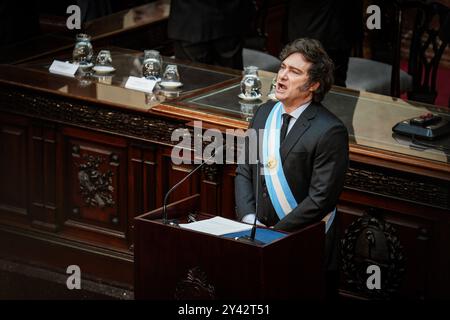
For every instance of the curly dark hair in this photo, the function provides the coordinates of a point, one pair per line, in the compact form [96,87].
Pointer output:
[322,67]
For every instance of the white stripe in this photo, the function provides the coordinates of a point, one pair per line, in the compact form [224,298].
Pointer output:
[271,142]
[280,194]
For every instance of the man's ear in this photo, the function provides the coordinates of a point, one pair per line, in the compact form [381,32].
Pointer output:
[313,87]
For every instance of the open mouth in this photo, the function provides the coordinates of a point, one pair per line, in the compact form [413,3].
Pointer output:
[281,86]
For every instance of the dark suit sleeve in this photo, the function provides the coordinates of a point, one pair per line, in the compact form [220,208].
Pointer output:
[243,183]
[327,180]
[245,199]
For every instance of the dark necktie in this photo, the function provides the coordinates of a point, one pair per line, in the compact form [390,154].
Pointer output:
[284,127]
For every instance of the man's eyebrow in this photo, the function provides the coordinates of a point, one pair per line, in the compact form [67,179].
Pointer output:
[291,67]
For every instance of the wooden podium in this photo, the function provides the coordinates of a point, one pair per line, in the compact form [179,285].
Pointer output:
[176,263]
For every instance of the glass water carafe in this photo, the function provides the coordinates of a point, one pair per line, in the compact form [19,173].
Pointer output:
[83,52]
[152,65]
[251,84]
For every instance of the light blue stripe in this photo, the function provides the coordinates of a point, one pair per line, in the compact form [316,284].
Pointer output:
[268,177]
[330,221]
[287,193]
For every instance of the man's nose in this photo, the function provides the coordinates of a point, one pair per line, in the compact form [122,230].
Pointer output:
[282,73]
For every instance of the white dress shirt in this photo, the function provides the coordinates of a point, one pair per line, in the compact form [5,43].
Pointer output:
[295,115]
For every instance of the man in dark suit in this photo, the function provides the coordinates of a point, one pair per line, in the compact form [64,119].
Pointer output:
[209,31]
[311,149]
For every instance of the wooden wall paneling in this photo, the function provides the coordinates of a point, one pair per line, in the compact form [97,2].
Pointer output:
[42,250]
[50,178]
[42,169]
[13,167]
[211,189]
[441,260]
[173,173]
[142,185]
[228,203]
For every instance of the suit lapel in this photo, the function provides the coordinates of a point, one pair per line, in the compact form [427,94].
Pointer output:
[301,125]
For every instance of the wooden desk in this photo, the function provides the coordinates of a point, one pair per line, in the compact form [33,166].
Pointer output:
[85,157]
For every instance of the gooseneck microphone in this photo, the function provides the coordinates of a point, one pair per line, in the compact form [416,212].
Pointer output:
[251,238]
[216,150]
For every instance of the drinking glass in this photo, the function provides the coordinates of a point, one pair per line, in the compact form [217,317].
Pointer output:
[171,74]
[151,68]
[104,59]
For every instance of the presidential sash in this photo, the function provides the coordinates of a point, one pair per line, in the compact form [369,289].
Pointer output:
[278,188]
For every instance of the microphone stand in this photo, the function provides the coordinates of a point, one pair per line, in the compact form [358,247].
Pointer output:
[251,238]
[165,220]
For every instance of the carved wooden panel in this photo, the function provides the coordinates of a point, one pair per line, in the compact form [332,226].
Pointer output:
[13,170]
[401,248]
[96,184]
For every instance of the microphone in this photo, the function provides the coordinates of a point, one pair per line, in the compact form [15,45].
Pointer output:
[165,220]
[251,238]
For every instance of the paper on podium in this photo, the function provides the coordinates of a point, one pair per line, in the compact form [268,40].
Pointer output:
[217,226]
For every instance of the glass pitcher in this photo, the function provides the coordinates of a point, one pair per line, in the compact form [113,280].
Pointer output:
[83,51]
[272,95]
[152,65]
[251,84]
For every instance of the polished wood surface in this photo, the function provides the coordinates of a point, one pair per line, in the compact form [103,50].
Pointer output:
[110,88]
[368,117]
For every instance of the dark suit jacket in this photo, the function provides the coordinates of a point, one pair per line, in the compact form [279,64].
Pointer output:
[314,155]
[197,21]
[335,26]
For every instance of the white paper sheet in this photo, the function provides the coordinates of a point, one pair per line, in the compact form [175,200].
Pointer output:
[63,68]
[140,84]
[217,226]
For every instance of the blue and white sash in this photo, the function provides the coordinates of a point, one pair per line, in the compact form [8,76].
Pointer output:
[278,188]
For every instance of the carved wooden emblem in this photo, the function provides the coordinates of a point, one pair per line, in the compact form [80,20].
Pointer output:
[195,286]
[371,241]
[96,187]
[210,172]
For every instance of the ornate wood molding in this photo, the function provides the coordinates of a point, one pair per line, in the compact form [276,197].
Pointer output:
[210,172]
[195,286]
[96,187]
[372,241]
[63,110]
[408,188]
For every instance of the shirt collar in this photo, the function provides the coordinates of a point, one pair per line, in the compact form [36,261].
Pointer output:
[297,112]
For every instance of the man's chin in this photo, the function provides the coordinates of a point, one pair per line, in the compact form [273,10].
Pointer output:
[279,96]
